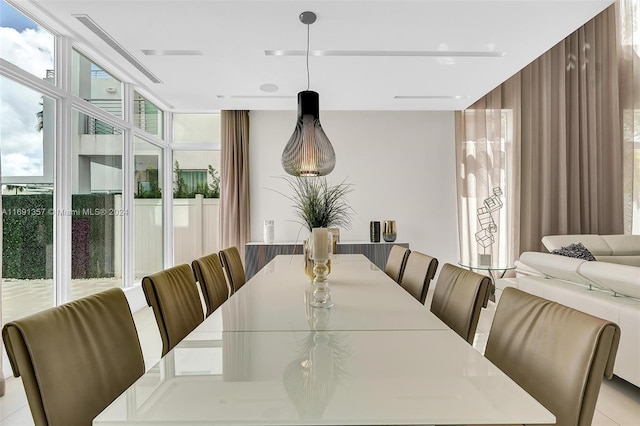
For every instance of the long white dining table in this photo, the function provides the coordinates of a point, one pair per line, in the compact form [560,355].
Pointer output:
[377,357]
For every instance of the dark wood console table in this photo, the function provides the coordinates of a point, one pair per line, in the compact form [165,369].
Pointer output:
[258,254]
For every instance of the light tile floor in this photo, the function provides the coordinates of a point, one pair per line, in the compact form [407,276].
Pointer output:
[618,402]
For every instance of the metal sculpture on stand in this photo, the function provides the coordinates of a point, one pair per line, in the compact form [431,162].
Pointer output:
[485,236]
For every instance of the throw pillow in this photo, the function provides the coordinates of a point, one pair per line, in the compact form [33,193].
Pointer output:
[578,251]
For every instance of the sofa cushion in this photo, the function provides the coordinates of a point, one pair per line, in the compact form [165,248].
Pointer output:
[524,270]
[577,251]
[621,279]
[551,265]
[622,260]
[595,243]
[623,245]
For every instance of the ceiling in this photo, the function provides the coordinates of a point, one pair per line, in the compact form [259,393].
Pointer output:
[387,52]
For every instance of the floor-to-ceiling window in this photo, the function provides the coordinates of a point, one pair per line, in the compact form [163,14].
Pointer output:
[97,212]
[111,178]
[630,94]
[27,135]
[196,185]
[26,144]
[486,185]
[72,125]
[148,212]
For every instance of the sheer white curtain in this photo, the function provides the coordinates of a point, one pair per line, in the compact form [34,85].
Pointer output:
[629,82]
[486,152]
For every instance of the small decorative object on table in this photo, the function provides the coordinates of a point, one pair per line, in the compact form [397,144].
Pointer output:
[389,231]
[269,231]
[321,292]
[374,228]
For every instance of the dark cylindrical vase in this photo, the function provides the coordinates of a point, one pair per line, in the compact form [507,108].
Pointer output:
[375,231]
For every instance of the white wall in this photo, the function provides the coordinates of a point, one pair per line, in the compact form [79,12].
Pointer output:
[401,165]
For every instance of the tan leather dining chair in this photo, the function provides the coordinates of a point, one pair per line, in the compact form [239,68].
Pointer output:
[396,262]
[557,354]
[208,271]
[173,295]
[458,298]
[418,273]
[233,268]
[75,359]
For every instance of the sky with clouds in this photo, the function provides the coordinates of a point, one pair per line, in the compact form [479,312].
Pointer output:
[30,47]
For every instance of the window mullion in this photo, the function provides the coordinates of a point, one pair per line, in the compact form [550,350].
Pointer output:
[128,240]
[167,194]
[62,178]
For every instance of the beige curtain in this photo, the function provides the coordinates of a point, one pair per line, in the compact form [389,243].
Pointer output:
[234,200]
[567,158]
[571,157]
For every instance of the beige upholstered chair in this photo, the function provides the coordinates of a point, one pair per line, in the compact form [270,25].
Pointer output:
[418,273]
[458,298]
[557,354]
[173,295]
[233,268]
[396,261]
[75,359]
[208,271]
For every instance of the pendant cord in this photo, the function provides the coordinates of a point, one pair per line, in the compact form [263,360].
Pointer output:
[308,76]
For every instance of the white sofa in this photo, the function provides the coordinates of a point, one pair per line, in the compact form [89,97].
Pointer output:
[624,249]
[600,288]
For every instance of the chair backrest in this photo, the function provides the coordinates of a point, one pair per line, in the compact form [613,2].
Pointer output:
[557,354]
[396,262]
[75,359]
[233,268]
[173,295]
[208,271]
[418,273]
[458,298]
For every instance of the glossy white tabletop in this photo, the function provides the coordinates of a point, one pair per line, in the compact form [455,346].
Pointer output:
[364,297]
[378,357]
[326,377]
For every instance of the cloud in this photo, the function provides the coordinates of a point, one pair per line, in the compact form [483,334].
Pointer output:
[18,164]
[20,140]
[31,50]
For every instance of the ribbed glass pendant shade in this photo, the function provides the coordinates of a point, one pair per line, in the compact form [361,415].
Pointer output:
[308,152]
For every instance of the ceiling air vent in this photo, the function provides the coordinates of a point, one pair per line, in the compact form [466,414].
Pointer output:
[95,28]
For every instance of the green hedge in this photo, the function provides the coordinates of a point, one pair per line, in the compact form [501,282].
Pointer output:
[27,230]
[93,258]
[27,239]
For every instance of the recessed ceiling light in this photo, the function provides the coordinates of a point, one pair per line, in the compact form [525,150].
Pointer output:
[399,53]
[269,88]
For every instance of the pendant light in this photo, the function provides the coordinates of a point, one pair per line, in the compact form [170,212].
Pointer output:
[308,152]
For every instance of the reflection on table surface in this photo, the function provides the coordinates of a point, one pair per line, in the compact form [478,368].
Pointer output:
[326,377]
[378,357]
